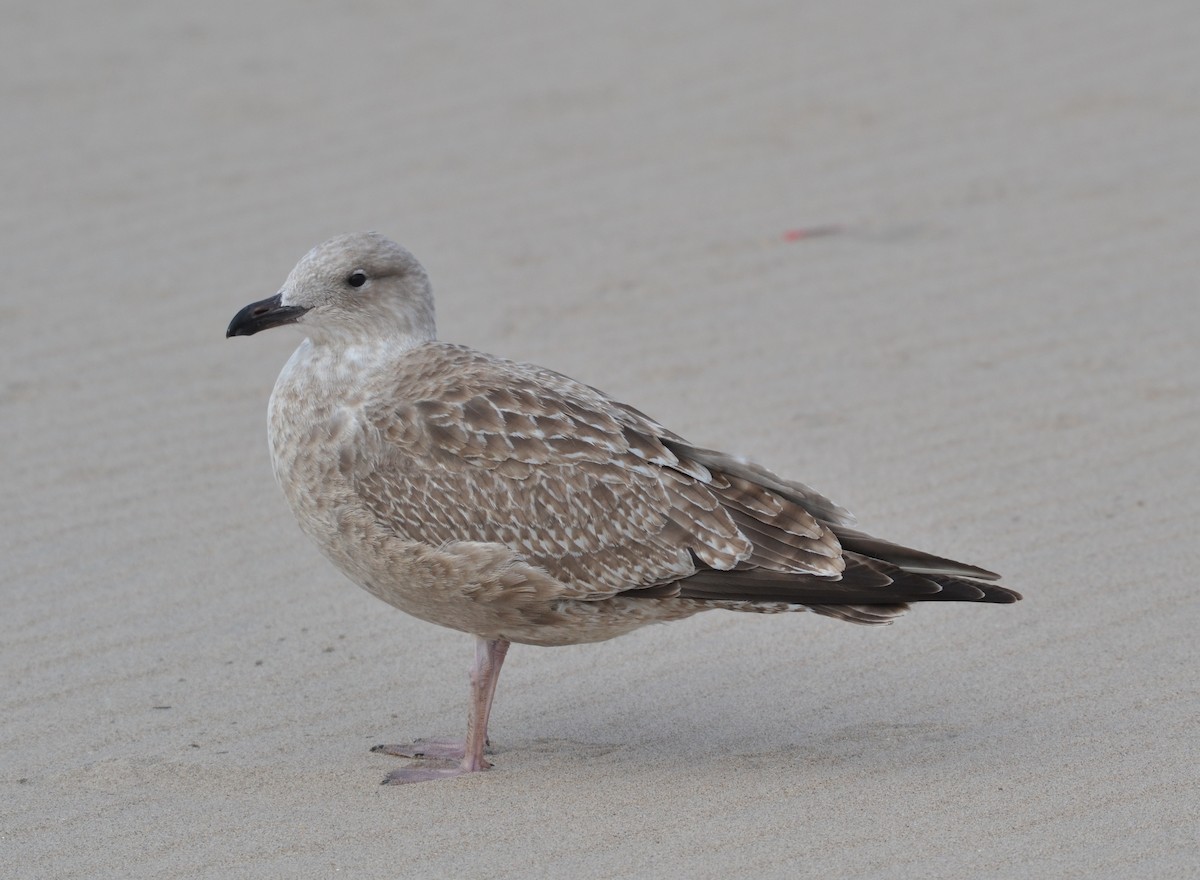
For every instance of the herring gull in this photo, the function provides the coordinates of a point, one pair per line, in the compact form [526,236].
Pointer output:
[518,505]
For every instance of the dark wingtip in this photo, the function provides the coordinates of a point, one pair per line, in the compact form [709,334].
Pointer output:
[959,590]
[1002,595]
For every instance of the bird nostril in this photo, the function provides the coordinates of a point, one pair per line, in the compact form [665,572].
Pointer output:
[261,310]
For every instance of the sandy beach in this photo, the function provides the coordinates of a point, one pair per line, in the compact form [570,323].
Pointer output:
[937,260]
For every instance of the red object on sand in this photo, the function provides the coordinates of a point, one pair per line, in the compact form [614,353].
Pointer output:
[810,232]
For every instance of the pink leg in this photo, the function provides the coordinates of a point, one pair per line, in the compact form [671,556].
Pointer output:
[485,672]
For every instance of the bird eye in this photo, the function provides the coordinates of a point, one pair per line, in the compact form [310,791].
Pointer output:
[357,278]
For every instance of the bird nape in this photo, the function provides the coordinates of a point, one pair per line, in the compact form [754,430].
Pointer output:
[513,503]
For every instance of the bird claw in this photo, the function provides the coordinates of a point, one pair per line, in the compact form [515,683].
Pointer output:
[428,749]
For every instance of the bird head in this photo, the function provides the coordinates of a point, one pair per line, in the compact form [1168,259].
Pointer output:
[354,288]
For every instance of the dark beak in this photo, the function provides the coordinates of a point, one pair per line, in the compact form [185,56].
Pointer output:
[263,315]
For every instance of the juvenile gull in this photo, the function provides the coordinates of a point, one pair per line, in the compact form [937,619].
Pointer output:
[513,503]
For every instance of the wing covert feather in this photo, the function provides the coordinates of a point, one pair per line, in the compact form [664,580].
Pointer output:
[527,458]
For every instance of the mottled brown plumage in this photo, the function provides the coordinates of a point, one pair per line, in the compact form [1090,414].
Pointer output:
[513,503]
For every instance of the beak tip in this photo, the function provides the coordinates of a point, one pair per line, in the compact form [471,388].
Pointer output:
[262,316]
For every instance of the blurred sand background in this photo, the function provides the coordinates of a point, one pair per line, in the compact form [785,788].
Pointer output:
[994,356]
